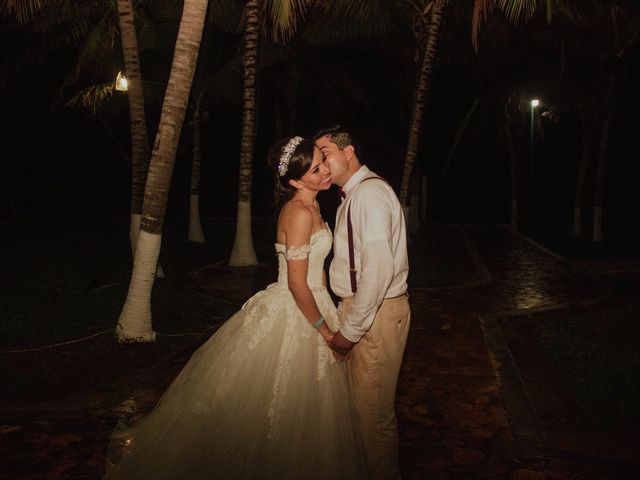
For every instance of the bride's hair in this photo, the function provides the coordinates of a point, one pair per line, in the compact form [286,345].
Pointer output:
[296,163]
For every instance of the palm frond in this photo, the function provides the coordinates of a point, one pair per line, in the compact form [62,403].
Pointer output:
[96,96]
[517,10]
[96,55]
[337,21]
[25,10]
[92,97]
[283,18]
[514,11]
[78,29]
[481,10]
[363,18]
[43,14]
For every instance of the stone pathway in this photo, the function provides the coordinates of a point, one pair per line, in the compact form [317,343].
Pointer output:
[455,414]
[455,398]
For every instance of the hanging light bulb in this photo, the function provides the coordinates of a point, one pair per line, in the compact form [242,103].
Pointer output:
[122,85]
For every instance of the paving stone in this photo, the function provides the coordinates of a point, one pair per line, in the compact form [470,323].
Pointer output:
[526,474]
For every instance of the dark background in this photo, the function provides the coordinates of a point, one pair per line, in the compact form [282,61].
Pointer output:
[68,163]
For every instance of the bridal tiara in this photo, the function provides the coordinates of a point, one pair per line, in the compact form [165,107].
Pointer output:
[287,151]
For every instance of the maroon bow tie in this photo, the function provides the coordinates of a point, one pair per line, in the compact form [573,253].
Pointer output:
[341,193]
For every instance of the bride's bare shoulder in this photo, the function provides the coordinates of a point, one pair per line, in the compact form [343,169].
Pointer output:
[295,220]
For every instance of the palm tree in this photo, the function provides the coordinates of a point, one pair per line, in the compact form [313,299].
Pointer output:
[514,11]
[138,122]
[280,18]
[243,252]
[88,27]
[420,93]
[97,40]
[134,324]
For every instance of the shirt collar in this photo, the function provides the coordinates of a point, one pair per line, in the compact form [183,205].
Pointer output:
[355,179]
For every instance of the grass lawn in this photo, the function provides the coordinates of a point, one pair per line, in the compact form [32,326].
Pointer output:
[68,281]
[597,351]
[62,281]
[581,368]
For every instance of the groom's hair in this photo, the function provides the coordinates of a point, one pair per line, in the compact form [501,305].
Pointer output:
[341,136]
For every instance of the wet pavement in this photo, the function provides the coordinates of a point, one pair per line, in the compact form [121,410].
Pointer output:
[462,406]
[462,409]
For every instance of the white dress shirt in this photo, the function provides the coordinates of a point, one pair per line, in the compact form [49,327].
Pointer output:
[380,250]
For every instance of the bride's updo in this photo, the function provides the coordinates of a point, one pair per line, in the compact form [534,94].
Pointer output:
[290,159]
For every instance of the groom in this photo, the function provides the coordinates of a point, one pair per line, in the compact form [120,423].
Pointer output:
[369,272]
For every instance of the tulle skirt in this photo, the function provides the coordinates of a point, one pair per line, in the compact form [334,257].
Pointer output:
[263,398]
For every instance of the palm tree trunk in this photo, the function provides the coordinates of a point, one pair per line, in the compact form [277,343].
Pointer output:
[195,225]
[134,324]
[134,234]
[578,200]
[138,123]
[243,253]
[137,119]
[598,201]
[422,86]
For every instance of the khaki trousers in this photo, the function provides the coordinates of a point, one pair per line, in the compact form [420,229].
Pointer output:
[373,367]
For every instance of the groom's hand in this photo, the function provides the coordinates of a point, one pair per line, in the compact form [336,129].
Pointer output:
[341,345]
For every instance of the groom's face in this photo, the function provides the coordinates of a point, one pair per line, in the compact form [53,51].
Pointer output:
[336,160]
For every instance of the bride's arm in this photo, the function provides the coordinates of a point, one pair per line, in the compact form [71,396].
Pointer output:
[298,229]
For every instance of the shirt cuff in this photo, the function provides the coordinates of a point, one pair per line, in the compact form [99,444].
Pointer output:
[351,334]
[355,333]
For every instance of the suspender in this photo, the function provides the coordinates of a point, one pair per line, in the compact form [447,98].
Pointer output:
[352,262]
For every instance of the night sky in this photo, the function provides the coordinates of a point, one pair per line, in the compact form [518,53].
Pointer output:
[69,163]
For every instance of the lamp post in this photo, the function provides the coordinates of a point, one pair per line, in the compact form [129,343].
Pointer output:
[534,103]
[122,85]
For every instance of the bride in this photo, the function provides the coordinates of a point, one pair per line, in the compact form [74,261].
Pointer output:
[264,397]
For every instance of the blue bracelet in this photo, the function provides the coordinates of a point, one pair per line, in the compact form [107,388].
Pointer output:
[320,321]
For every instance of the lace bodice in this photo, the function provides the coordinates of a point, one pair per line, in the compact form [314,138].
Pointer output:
[320,246]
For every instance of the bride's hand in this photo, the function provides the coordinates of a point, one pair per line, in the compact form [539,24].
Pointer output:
[328,337]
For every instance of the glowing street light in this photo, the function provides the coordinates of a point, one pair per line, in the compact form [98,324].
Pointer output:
[534,103]
[122,85]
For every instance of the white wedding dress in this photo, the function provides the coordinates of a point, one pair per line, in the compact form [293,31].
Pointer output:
[263,398]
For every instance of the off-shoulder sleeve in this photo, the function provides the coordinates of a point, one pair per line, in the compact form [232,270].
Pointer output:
[297,253]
